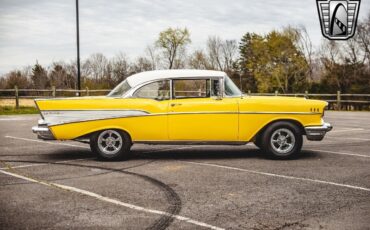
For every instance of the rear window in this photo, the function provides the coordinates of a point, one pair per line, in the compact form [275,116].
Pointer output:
[120,89]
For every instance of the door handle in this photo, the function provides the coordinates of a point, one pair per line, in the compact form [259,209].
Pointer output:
[175,104]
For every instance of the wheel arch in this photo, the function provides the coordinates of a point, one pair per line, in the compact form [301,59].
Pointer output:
[90,133]
[292,121]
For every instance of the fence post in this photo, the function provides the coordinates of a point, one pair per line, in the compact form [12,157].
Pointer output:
[306,94]
[87,91]
[276,92]
[16,97]
[338,101]
[53,91]
[249,92]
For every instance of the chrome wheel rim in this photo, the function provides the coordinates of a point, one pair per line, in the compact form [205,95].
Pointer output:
[282,141]
[110,142]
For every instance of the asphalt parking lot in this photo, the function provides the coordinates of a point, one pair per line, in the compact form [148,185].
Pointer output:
[61,185]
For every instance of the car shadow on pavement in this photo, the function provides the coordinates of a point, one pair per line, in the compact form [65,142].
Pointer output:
[176,154]
[61,155]
[194,153]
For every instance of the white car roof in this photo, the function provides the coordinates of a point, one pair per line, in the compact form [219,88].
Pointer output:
[143,77]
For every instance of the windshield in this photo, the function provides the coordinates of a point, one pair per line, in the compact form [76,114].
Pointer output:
[120,89]
[230,88]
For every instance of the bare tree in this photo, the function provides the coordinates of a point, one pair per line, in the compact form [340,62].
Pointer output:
[306,47]
[214,49]
[303,42]
[173,43]
[142,64]
[96,66]
[330,50]
[71,70]
[353,51]
[222,54]
[363,37]
[15,78]
[229,51]
[153,56]
[120,67]
[199,60]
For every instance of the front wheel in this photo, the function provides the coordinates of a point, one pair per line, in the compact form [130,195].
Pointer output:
[110,144]
[282,140]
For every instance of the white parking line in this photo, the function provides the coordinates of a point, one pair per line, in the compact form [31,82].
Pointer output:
[347,130]
[347,138]
[339,153]
[112,201]
[46,142]
[79,146]
[16,119]
[280,176]
[356,138]
[42,164]
[86,147]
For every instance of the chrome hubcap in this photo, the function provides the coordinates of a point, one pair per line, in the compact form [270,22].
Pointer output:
[110,142]
[282,141]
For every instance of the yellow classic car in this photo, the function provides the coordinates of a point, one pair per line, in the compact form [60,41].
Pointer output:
[182,107]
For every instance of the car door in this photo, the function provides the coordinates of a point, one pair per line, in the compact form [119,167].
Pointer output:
[195,114]
[152,98]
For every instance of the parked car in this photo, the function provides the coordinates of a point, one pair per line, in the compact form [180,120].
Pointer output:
[182,107]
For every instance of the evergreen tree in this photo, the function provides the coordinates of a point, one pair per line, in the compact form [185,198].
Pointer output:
[39,77]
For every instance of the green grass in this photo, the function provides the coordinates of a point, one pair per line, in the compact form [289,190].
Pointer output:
[11,110]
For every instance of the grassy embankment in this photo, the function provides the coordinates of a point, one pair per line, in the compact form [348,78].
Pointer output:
[26,106]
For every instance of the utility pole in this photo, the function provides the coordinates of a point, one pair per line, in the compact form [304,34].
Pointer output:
[78,51]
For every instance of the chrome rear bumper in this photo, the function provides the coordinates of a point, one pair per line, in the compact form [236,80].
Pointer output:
[317,133]
[42,131]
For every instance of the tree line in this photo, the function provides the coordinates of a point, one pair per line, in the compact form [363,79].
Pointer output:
[282,60]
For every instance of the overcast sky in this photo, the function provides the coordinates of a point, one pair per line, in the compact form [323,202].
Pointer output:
[44,30]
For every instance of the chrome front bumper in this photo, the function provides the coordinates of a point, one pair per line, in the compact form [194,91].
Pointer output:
[317,133]
[42,131]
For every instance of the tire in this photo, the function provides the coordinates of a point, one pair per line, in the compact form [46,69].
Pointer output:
[282,140]
[258,142]
[110,144]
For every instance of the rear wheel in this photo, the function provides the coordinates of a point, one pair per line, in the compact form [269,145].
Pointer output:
[282,140]
[110,144]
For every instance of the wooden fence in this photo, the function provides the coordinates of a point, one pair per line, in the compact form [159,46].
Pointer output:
[336,101]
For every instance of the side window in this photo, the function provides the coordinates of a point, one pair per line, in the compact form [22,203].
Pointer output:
[159,90]
[191,88]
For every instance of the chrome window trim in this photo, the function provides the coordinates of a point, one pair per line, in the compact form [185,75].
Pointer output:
[131,92]
[147,114]
[171,89]
[192,142]
[222,87]
[197,78]
[295,113]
